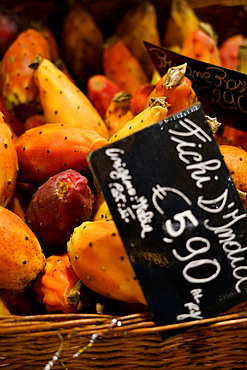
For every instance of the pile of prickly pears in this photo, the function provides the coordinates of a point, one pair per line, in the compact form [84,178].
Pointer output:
[60,99]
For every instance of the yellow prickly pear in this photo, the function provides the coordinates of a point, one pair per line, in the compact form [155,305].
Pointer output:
[63,101]
[100,209]
[4,309]
[181,23]
[155,112]
[99,259]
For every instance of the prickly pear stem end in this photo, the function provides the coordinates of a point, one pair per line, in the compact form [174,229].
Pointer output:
[36,62]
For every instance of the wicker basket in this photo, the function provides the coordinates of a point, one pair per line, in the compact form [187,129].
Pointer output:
[83,341]
[94,341]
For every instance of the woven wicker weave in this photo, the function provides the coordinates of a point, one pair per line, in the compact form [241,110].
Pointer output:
[31,342]
[93,341]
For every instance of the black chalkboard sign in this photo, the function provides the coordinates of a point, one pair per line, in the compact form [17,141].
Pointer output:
[179,215]
[221,91]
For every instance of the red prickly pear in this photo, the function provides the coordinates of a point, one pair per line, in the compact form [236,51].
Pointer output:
[57,207]
[100,91]
[10,27]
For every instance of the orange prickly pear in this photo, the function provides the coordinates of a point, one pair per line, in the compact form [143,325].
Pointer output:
[111,273]
[17,83]
[118,112]
[121,66]
[232,136]
[82,43]
[8,163]
[58,287]
[42,27]
[49,36]
[137,25]
[21,256]
[236,161]
[15,123]
[63,101]
[176,88]
[46,150]
[201,44]
[34,121]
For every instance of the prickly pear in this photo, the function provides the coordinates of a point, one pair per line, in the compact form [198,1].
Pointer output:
[121,66]
[17,82]
[62,101]
[82,43]
[21,256]
[57,207]
[46,150]
[8,163]
[59,288]
[100,260]
[140,23]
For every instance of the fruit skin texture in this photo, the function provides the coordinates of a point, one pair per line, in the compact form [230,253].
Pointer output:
[137,25]
[100,209]
[118,112]
[179,95]
[34,121]
[139,99]
[17,83]
[8,164]
[57,207]
[82,44]
[229,51]
[21,256]
[100,91]
[232,136]
[54,286]
[181,23]
[46,150]
[63,101]
[149,116]
[15,123]
[122,67]
[236,161]
[99,259]
[201,46]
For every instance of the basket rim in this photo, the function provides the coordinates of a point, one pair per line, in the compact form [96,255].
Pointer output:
[104,325]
